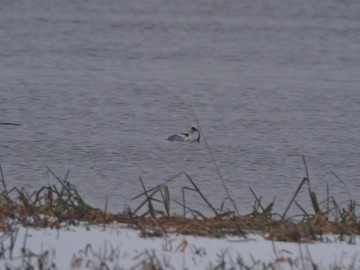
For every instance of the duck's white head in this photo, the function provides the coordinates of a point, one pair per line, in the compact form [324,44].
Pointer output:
[194,134]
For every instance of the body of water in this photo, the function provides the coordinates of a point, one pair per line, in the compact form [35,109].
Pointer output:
[98,86]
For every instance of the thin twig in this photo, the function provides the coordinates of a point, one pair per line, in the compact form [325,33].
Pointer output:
[158,186]
[105,211]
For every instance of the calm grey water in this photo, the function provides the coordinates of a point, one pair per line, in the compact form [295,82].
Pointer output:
[99,85]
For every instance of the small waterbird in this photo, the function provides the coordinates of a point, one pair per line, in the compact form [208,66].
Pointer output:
[192,136]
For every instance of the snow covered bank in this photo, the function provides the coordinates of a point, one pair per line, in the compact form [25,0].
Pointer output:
[117,247]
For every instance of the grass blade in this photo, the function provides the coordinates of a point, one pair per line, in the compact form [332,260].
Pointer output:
[338,178]
[201,195]
[305,179]
[3,180]
[314,202]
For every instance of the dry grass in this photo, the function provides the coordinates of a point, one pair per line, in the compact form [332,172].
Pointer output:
[56,205]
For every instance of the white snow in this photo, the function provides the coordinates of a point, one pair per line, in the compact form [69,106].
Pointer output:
[118,247]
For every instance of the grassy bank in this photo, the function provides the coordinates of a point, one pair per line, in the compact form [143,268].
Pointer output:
[59,204]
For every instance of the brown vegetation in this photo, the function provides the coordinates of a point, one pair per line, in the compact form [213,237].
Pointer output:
[59,205]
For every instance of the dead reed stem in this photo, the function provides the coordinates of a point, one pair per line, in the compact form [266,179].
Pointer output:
[215,164]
